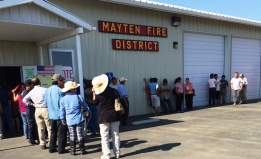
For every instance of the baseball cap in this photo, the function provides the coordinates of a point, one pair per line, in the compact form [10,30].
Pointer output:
[165,81]
[122,79]
[58,77]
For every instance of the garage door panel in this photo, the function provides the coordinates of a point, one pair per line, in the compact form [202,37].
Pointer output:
[203,55]
[246,59]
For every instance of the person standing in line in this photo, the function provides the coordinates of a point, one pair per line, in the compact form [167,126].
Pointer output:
[1,132]
[18,96]
[30,115]
[6,115]
[71,115]
[189,92]
[41,112]
[217,88]
[147,90]
[14,107]
[108,118]
[124,100]
[154,89]
[212,90]
[243,97]
[179,94]
[114,83]
[236,85]
[223,89]
[52,99]
[88,95]
[164,94]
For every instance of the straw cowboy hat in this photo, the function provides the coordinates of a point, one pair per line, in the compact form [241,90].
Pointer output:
[69,86]
[100,83]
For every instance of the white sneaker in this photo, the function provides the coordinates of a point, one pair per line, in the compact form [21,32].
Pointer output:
[234,104]
[117,156]
[240,102]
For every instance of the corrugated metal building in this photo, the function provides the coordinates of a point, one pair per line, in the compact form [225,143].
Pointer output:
[207,43]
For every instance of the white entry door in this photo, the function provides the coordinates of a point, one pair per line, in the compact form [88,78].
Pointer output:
[203,55]
[246,59]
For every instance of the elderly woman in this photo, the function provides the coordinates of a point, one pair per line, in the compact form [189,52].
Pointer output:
[108,118]
[70,114]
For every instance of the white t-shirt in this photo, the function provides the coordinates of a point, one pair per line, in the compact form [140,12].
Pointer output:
[211,83]
[236,83]
[114,86]
[218,85]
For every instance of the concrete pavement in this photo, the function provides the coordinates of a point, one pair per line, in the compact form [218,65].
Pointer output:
[227,132]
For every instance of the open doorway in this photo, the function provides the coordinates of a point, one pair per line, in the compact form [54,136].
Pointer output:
[10,77]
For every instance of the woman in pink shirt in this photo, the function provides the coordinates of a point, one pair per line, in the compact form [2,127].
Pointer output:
[18,96]
[189,92]
[179,97]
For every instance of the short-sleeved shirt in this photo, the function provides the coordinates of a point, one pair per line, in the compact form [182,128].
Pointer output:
[114,86]
[236,83]
[180,88]
[153,87]
[165,94]
[122,91]
[224,83]
[188,88]
[4,98]
[211,83]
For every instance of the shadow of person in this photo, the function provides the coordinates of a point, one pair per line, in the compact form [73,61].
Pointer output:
[163,147]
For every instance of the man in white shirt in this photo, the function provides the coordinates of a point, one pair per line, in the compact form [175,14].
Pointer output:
[114,83]
[236,86]
[41,112]
[242,96]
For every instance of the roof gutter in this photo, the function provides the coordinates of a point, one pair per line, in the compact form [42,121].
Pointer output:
[173,9]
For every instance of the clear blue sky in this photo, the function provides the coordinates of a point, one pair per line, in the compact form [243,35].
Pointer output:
[249,9]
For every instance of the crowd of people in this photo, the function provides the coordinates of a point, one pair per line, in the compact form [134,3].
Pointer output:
[57,112]
[159,95]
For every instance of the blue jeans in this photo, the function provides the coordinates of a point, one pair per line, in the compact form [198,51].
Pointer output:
[25,124]
[7,117]
[94,120]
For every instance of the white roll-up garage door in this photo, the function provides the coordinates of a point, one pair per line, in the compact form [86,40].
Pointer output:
[203,55]
[246,60]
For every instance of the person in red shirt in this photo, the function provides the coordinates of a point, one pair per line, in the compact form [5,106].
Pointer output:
[147,90]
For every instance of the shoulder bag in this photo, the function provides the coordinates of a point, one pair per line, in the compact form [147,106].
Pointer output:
[84,110]
[117,104]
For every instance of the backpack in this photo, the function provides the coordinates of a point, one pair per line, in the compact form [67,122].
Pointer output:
[174,91]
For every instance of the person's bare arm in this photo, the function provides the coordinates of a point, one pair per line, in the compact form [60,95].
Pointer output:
[145,81]
[15,96]
[177,90]
[231,86]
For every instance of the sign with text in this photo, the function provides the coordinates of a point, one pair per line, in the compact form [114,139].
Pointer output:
[131,29]
[135,45]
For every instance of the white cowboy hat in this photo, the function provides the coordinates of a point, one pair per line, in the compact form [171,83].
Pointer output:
[69,86]
[100,83]
[122,79]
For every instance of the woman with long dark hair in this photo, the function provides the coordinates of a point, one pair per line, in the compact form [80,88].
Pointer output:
[179,97]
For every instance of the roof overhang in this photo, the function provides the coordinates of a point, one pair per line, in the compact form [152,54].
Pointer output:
[18,30]
[186,11]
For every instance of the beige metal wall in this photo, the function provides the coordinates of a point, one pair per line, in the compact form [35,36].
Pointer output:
[18,53]
[98,56]
[33,14]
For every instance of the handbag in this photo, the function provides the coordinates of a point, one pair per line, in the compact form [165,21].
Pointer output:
[84,110]
[117,105]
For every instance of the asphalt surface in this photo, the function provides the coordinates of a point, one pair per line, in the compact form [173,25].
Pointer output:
[225,132]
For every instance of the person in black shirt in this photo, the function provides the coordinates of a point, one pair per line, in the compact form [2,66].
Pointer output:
[223,89]
[6,116]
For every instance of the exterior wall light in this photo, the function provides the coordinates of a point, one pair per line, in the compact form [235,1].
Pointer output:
[176,21]
[175,45]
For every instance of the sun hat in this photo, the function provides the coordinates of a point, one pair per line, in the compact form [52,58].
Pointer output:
[69,86]
[122,79]
[100,83]
[58,77]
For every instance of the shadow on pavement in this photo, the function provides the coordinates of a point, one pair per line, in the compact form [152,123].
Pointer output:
[15,148]
[163,147]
